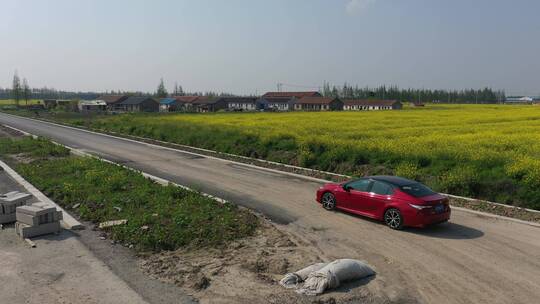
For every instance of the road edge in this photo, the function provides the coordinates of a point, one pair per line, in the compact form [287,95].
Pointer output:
[67,222]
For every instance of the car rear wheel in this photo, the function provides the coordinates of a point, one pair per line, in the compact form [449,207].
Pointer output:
[393,219]
[328,201]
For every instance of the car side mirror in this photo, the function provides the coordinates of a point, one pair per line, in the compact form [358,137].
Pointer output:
[347,188]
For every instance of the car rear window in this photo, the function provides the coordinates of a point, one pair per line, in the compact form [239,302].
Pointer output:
[381,188]
[417,190]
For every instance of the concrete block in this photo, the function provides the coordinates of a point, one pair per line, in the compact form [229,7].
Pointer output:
[35,210]
[32,220]
[15,196]
[7,218]
[27,231]
[10,207]
[27,219]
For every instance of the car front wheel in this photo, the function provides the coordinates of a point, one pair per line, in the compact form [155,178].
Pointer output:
[328,201]
[393,219]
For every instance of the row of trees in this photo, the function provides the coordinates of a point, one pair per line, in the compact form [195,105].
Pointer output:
[486,95]
[20,90]
[162,92]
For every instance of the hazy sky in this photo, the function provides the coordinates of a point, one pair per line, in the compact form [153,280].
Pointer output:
[247,46]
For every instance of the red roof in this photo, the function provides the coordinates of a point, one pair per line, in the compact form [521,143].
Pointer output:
[186,99]
[315,100]
[293,94]
[369,102]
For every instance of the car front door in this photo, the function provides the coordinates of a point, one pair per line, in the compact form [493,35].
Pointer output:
[357,195]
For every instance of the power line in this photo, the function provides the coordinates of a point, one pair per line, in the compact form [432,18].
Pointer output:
[280,86]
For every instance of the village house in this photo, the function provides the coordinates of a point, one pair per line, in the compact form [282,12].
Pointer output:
[241,103]
[168,105]
[138,104]
[87,106]
[278,104]
[318,104]
[209,104]
[49,103]
[369,104]
[186,103]
[113,100]
[65,104]
[296,95]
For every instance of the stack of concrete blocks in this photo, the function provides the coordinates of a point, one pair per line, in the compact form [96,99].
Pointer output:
[37,219]
[9,203]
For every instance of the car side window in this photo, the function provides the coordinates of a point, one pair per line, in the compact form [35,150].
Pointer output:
[381,188]
[360,185]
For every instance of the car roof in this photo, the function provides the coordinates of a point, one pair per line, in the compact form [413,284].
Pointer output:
[394,180]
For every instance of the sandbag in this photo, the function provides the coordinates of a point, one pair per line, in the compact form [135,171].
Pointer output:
[291,280]
[333,274]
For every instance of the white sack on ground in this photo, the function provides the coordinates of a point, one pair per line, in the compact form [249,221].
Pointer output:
[291,280]
[333,274]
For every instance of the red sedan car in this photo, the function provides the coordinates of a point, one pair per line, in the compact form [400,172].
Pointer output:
[397,201]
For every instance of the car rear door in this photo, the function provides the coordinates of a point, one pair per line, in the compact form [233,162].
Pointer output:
[380,194]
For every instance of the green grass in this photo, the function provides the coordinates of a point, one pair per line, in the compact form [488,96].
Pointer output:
[37,148]
[484,151]
[159,217]
[21,102]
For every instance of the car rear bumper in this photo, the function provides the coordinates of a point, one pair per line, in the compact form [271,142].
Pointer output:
[419,219]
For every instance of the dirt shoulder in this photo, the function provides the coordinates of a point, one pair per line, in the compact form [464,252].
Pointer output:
[248,271]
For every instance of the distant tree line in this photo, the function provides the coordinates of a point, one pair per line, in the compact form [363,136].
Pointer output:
[20,94]
[486,95]
[162,92]
[21,91]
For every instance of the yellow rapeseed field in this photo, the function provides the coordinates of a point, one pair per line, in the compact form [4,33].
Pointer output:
[488,151]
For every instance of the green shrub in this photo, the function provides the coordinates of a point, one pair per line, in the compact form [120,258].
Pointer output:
[461,179]
[408,170]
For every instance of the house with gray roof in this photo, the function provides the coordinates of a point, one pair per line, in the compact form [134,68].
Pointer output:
[138,104]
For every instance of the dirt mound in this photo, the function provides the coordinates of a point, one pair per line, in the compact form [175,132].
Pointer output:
[244,271]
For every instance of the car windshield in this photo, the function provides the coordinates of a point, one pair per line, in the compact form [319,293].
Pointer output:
[417,190]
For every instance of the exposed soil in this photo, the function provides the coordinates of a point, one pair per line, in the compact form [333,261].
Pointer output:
[245,271]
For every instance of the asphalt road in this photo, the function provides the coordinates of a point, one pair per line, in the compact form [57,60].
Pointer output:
[471,259]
